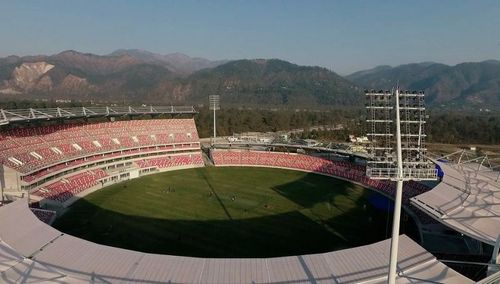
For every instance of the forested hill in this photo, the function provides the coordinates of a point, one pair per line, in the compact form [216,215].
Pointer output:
[130,76]
[141,77]
[273,82]
[472,85]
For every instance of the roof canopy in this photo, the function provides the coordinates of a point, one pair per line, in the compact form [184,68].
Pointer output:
[55,255]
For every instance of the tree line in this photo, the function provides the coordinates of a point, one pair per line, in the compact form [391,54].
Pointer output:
[238,120]
[442,126]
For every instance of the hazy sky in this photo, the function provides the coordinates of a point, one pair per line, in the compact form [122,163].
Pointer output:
[344,36]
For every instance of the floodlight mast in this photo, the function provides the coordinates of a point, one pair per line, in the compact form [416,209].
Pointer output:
[214,104]
[398,200]
[411,162]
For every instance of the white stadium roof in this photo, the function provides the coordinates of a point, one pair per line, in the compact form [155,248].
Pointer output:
[467,200]
[31,251]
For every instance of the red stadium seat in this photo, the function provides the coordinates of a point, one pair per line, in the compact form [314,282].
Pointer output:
[343,169]
[54,144]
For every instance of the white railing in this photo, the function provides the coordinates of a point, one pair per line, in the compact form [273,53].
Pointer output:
[408,173]
[12,115]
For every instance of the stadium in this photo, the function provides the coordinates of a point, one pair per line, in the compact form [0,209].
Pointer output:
[132,195]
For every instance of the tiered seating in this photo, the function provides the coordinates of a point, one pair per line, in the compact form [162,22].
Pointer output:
[341,169]
[126,142]
[48,154]
[248,158]
[52,169]
[172,161]
[68,149]
[144,139]
[6,143]
[88,146]
[164,138]
[106,143]
[233,158]
[68,187]
[17,144]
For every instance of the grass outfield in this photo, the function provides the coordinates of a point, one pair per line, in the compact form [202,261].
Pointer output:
[228,212]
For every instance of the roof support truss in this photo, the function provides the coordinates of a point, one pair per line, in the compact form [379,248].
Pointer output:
[20,115]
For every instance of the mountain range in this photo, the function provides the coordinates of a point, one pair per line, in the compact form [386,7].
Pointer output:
[175,62]
[138,76]
[463,86]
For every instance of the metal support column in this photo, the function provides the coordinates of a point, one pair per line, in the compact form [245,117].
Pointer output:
[214,104]
[399,195]
[215,127]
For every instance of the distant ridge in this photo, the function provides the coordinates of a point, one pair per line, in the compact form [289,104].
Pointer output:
[175,62]
[462,86]
[145,77]
[274,82]
[139,76]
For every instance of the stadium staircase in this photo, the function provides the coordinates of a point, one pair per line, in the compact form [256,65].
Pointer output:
[206,157]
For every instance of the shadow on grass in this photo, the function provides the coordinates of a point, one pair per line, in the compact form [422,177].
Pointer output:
[276,235]
[367,220]
[310,229]
[306,191]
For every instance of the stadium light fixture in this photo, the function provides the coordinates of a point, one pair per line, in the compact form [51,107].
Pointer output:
[214,104]
[397,148]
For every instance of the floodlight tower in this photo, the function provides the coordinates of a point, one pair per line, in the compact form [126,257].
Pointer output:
[397,118]
[214,104]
